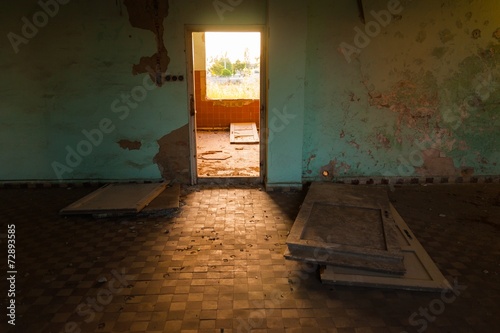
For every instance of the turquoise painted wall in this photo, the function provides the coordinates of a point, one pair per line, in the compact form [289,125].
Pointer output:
[285,114]
[415,94]
[74,74]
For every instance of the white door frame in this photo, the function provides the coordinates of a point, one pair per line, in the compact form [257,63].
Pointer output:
[191,100]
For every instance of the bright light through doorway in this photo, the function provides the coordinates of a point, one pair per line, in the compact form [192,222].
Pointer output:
[227,102]
[234,43]
[233,65]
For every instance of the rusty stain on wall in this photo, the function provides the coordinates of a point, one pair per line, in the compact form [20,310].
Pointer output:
[149,15]
[130,145]
[173,156]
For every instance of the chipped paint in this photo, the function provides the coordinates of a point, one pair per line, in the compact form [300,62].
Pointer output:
[415,99]
[436,165]
[130,145]
[439,93]
[428,103]
[334,169]
[149,15]
[173,155]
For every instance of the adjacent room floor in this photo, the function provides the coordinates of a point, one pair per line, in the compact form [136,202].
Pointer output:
[216,265]
[217,157]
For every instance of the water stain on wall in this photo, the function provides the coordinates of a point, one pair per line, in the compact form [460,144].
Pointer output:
[173,156]
[149,15]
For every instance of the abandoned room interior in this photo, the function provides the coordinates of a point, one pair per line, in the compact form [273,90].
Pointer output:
[250,166]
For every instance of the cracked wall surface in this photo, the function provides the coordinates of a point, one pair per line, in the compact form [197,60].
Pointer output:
[79,99]
[415,95]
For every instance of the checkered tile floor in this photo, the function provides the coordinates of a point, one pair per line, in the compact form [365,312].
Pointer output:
[217,265]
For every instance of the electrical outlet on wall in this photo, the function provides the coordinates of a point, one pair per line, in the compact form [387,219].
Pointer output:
[173,78]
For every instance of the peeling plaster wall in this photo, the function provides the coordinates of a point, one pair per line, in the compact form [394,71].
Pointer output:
[78,101]
[418,95]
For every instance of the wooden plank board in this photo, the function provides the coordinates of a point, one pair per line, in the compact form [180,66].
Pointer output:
[347,226]
[421,272]
[243,133]
[168,199]
[116,199]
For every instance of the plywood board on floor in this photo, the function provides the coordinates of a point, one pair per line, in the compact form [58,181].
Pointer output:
[243,133]
[168,199]
[116,199]
[347,226]
[421,272]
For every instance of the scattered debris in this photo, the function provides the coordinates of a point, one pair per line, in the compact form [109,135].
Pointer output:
[215,155]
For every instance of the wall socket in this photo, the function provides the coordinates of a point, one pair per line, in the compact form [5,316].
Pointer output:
[174,78]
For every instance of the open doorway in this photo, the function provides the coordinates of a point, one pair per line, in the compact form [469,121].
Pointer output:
[226,95]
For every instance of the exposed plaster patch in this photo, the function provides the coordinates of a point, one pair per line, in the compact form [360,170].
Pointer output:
[149,15]
[173,156]
[435,165]
[414,99]
[130,145]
